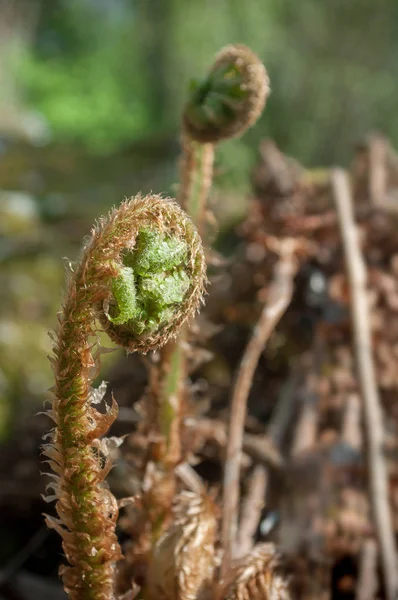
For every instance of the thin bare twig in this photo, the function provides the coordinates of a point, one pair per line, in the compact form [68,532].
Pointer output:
[190,478]
[251,510]
[283,412]
[280,293]
[259,448]
[367,382]
[307,423]
[255,498]
[304,439]
[367,582]
[351,433]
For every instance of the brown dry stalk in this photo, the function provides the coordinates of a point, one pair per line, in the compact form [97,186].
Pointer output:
[258,483]
[305,433]
[351,430]
[258,448]
[378,476]
[284,410]
[87,511]
[280,293]
[367,580]
[251,509]
[261,449]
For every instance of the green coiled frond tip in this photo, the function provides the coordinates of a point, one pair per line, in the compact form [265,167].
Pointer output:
[158,273]
[230,99]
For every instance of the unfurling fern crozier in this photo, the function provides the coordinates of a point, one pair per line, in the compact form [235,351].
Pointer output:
[141,275]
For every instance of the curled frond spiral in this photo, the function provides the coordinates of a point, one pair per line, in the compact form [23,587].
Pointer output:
[159,273]
[230,99]
[141,274]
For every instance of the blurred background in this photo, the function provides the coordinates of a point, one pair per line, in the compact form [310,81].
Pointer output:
[90,100]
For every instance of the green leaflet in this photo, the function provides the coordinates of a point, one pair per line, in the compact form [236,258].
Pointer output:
[155,253]
[123,290]
[152,282]
[217,98]
[165,289]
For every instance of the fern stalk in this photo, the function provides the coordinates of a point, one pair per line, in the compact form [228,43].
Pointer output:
[196,177]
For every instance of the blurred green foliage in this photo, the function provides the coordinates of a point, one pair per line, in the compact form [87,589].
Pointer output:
[84,75]
[104,73]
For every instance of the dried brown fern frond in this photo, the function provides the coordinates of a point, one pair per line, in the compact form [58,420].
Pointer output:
[182,561]
[256,577]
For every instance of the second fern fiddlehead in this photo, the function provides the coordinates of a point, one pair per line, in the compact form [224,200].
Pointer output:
[225,104]
[230,99]
[141,274]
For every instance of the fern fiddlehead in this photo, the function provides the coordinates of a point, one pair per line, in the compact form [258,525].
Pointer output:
[141,274]
[230,99]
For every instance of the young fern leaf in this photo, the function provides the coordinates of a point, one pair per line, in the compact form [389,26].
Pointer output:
[141,274]
[230,99]
[224,105]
